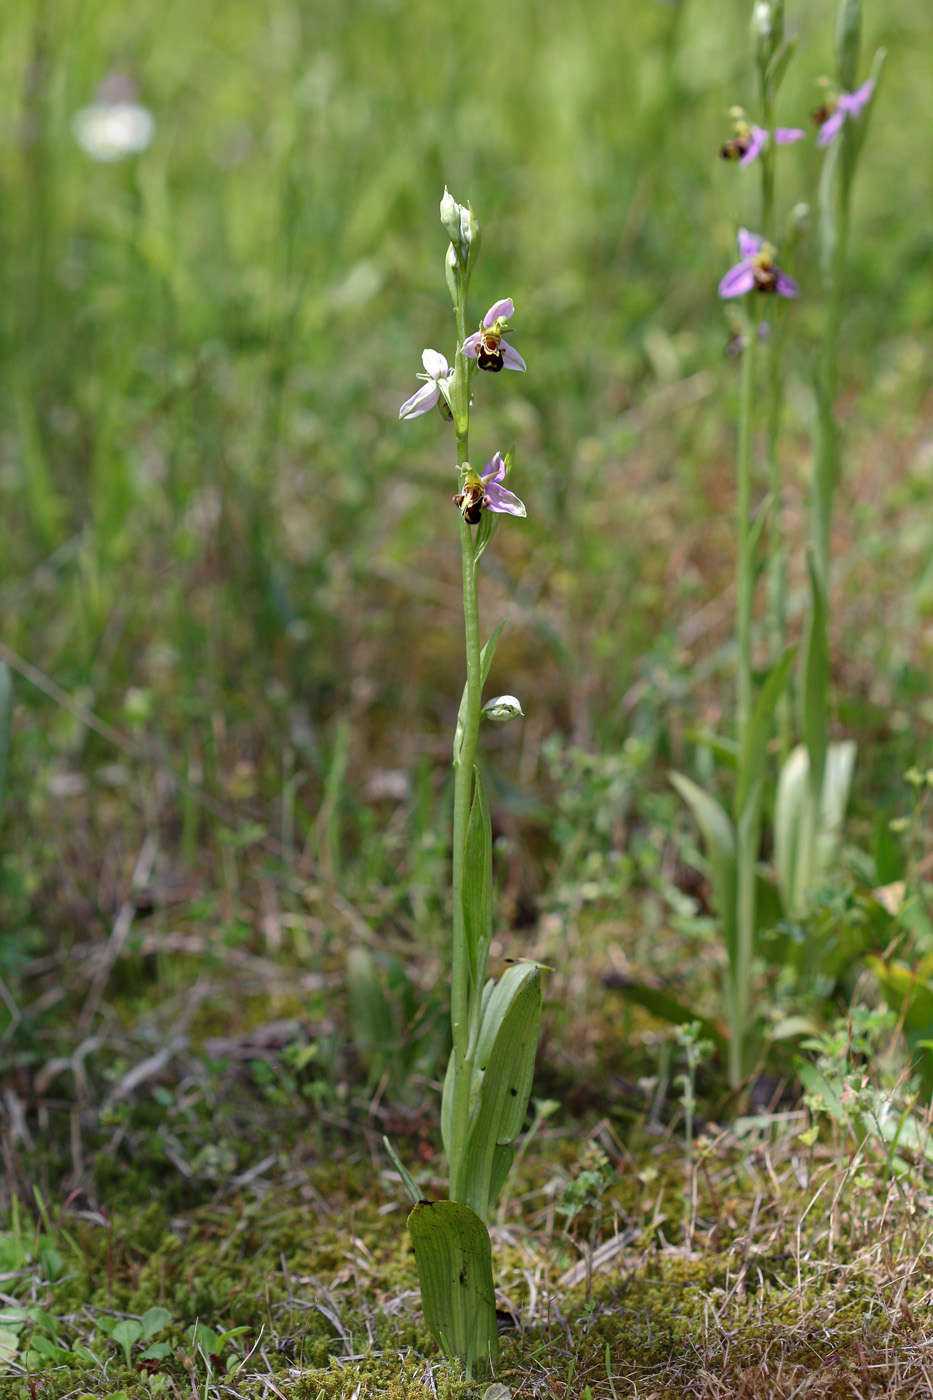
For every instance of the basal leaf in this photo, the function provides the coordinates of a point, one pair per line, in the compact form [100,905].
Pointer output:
[153,1321]
[719,837]
[454,1261]
[807,836]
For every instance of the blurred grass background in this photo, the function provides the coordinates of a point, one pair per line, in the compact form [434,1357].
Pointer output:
[216,534]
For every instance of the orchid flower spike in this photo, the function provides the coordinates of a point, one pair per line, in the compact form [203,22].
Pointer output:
[437,380]
[757,270]
[748,141]
[486,492]
[486,345]
[832,117]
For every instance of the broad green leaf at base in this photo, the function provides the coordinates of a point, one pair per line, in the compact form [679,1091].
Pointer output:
[454,1261]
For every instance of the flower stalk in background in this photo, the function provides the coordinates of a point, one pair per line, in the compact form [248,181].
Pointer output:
[494,1023]
[733,839]
[813,786]
[751,143]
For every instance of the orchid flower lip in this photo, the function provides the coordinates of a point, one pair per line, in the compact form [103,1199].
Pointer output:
[484,491]
[487,346]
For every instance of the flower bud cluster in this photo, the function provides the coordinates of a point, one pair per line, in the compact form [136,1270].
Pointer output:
[462,228]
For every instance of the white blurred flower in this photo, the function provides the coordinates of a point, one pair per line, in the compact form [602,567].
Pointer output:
[115,126]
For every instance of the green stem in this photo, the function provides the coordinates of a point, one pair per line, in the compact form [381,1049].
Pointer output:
[745,563]
[777,545]
[767,167]
[746,822]
[464,999]
[777,553]
[826,467]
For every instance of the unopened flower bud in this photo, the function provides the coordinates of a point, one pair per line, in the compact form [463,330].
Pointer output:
[502,708]
[763,41]
[451,215]
[469,237]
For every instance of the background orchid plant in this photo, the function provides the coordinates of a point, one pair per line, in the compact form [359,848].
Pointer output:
[494,1023]
[814,779]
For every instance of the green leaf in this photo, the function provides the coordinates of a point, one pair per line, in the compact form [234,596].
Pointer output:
[205,1338]
[502,1158]
[447,1105]
[503,1068]
[806,838]
[753,542]
[157,1351]
[126,1334]
[777,68]
[816,678]
[485,662]
[792,835]
[6,725]
[755,748]
[477,882]
[848,45]
[907,994]
[153,1321]
[827,224]
[372,1021]
[719,836]
[668,1008]
[877,70]
[408,1180]
[488,524]
[726,751]
[814,1083]
[9,1346]
[454,1261]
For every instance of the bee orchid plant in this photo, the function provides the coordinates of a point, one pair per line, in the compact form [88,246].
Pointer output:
[494,1022]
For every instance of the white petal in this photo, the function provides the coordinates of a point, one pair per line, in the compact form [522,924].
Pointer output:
[421,402]
[434,363]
